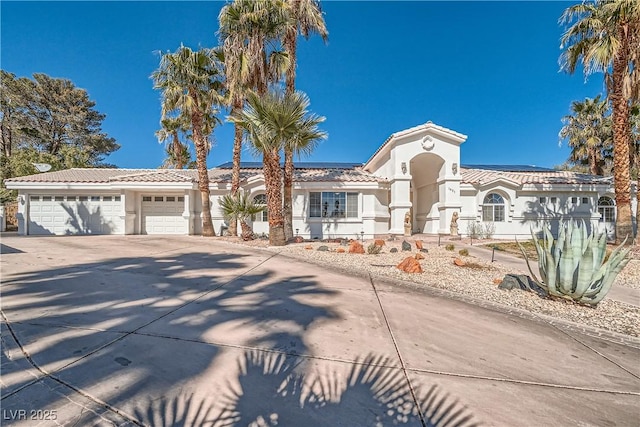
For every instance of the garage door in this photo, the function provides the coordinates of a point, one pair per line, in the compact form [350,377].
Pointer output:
[85,214]
[163,215]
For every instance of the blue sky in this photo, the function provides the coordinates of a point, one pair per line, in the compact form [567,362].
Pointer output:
[486,69]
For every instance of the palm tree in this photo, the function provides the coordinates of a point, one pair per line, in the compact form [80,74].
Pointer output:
[249,31]
[269,122]
[191,89]
[240,207]
[178,155]
[305,18]
[588,130]
[601,40]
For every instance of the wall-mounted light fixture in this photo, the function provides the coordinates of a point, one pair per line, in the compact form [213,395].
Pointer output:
[403,166]
[22,199]
[454,168]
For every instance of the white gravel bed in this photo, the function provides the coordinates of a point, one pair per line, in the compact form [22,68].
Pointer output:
[478,282]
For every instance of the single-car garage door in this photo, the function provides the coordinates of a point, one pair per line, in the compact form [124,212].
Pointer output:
[85,214]
[163,215]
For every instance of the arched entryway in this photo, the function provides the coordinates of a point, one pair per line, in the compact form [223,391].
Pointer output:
[427,172]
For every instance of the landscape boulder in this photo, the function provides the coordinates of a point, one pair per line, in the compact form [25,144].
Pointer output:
[356,248]
[323,248]
[406,246]
[523,282]
[340,250]
[410,265]
[393,250]
[419,256]
[459,262]
[419,244]
[379,242]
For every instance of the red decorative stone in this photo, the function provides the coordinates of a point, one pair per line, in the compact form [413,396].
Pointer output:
[410,265]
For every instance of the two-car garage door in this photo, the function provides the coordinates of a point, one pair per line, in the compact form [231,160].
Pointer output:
[83,214]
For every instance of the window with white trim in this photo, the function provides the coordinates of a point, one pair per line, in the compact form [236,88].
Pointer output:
[606,209]
[493,208]
[332,204]
[261,199]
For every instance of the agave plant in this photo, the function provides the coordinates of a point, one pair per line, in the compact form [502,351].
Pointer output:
[574,266]
[240,207]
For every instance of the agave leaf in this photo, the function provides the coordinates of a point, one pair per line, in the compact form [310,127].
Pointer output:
[607,281]
[542,258]
[552,270]
[585,272]
[566,265]
[618,256]
[601,249]
[526,258]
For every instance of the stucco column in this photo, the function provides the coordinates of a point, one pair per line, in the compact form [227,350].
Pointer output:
[189,211]
[129,211]
[449,192]
[400,202]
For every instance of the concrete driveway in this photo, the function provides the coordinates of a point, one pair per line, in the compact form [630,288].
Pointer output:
[142,330]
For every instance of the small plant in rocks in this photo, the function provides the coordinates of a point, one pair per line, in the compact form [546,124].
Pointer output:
[450,247]
[463,252]
[374,249]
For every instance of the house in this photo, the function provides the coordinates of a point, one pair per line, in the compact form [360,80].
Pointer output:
[416,171]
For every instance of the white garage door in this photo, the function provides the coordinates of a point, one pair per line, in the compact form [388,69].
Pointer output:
[163,215]
[86,214]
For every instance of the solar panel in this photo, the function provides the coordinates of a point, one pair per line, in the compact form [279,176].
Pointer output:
[509,168]
[298,165]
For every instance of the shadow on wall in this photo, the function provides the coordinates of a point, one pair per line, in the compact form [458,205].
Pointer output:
[84,221]
[536,215]
[277,389]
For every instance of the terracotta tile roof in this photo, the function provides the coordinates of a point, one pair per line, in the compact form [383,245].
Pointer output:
[333,175]
[483,176]
[158,175]
[79,175]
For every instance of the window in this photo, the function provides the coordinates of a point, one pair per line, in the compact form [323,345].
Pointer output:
[574,200]
[171,199]
[146,198]
[606,209]
[34,198]
[116,199]
[543,200]
[554,200]
[158,199]
[95,198]
[261,199]
[46,198]
[585,200]
[107,198]
[181,198]
[59,198]
[83,198]
[493,208]
[329,204]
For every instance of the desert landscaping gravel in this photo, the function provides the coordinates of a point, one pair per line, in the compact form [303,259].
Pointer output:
[477,280]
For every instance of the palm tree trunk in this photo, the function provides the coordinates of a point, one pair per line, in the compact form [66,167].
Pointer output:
[290,43]
[273,182]
[235,169]
[203,173]
[621,137]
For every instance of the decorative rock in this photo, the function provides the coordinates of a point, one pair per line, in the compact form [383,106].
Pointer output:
[497,281]
[298,239]
[419,256]
[406,246]
[340,250]
[520,281]
[410,265]
[459,262]
[393,250]
[344,242]
[379,242]
[424,251]
[308,247]
[356,248]
[419,244]
[323,248]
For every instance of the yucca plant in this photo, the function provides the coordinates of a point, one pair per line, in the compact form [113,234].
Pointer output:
[240,207]
[574,266]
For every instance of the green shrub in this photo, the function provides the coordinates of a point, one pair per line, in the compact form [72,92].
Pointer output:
[463,252]
[450,247]
[373,249]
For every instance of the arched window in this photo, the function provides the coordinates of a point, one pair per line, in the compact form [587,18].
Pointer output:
[606,209]
[260,199]
[493,208]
